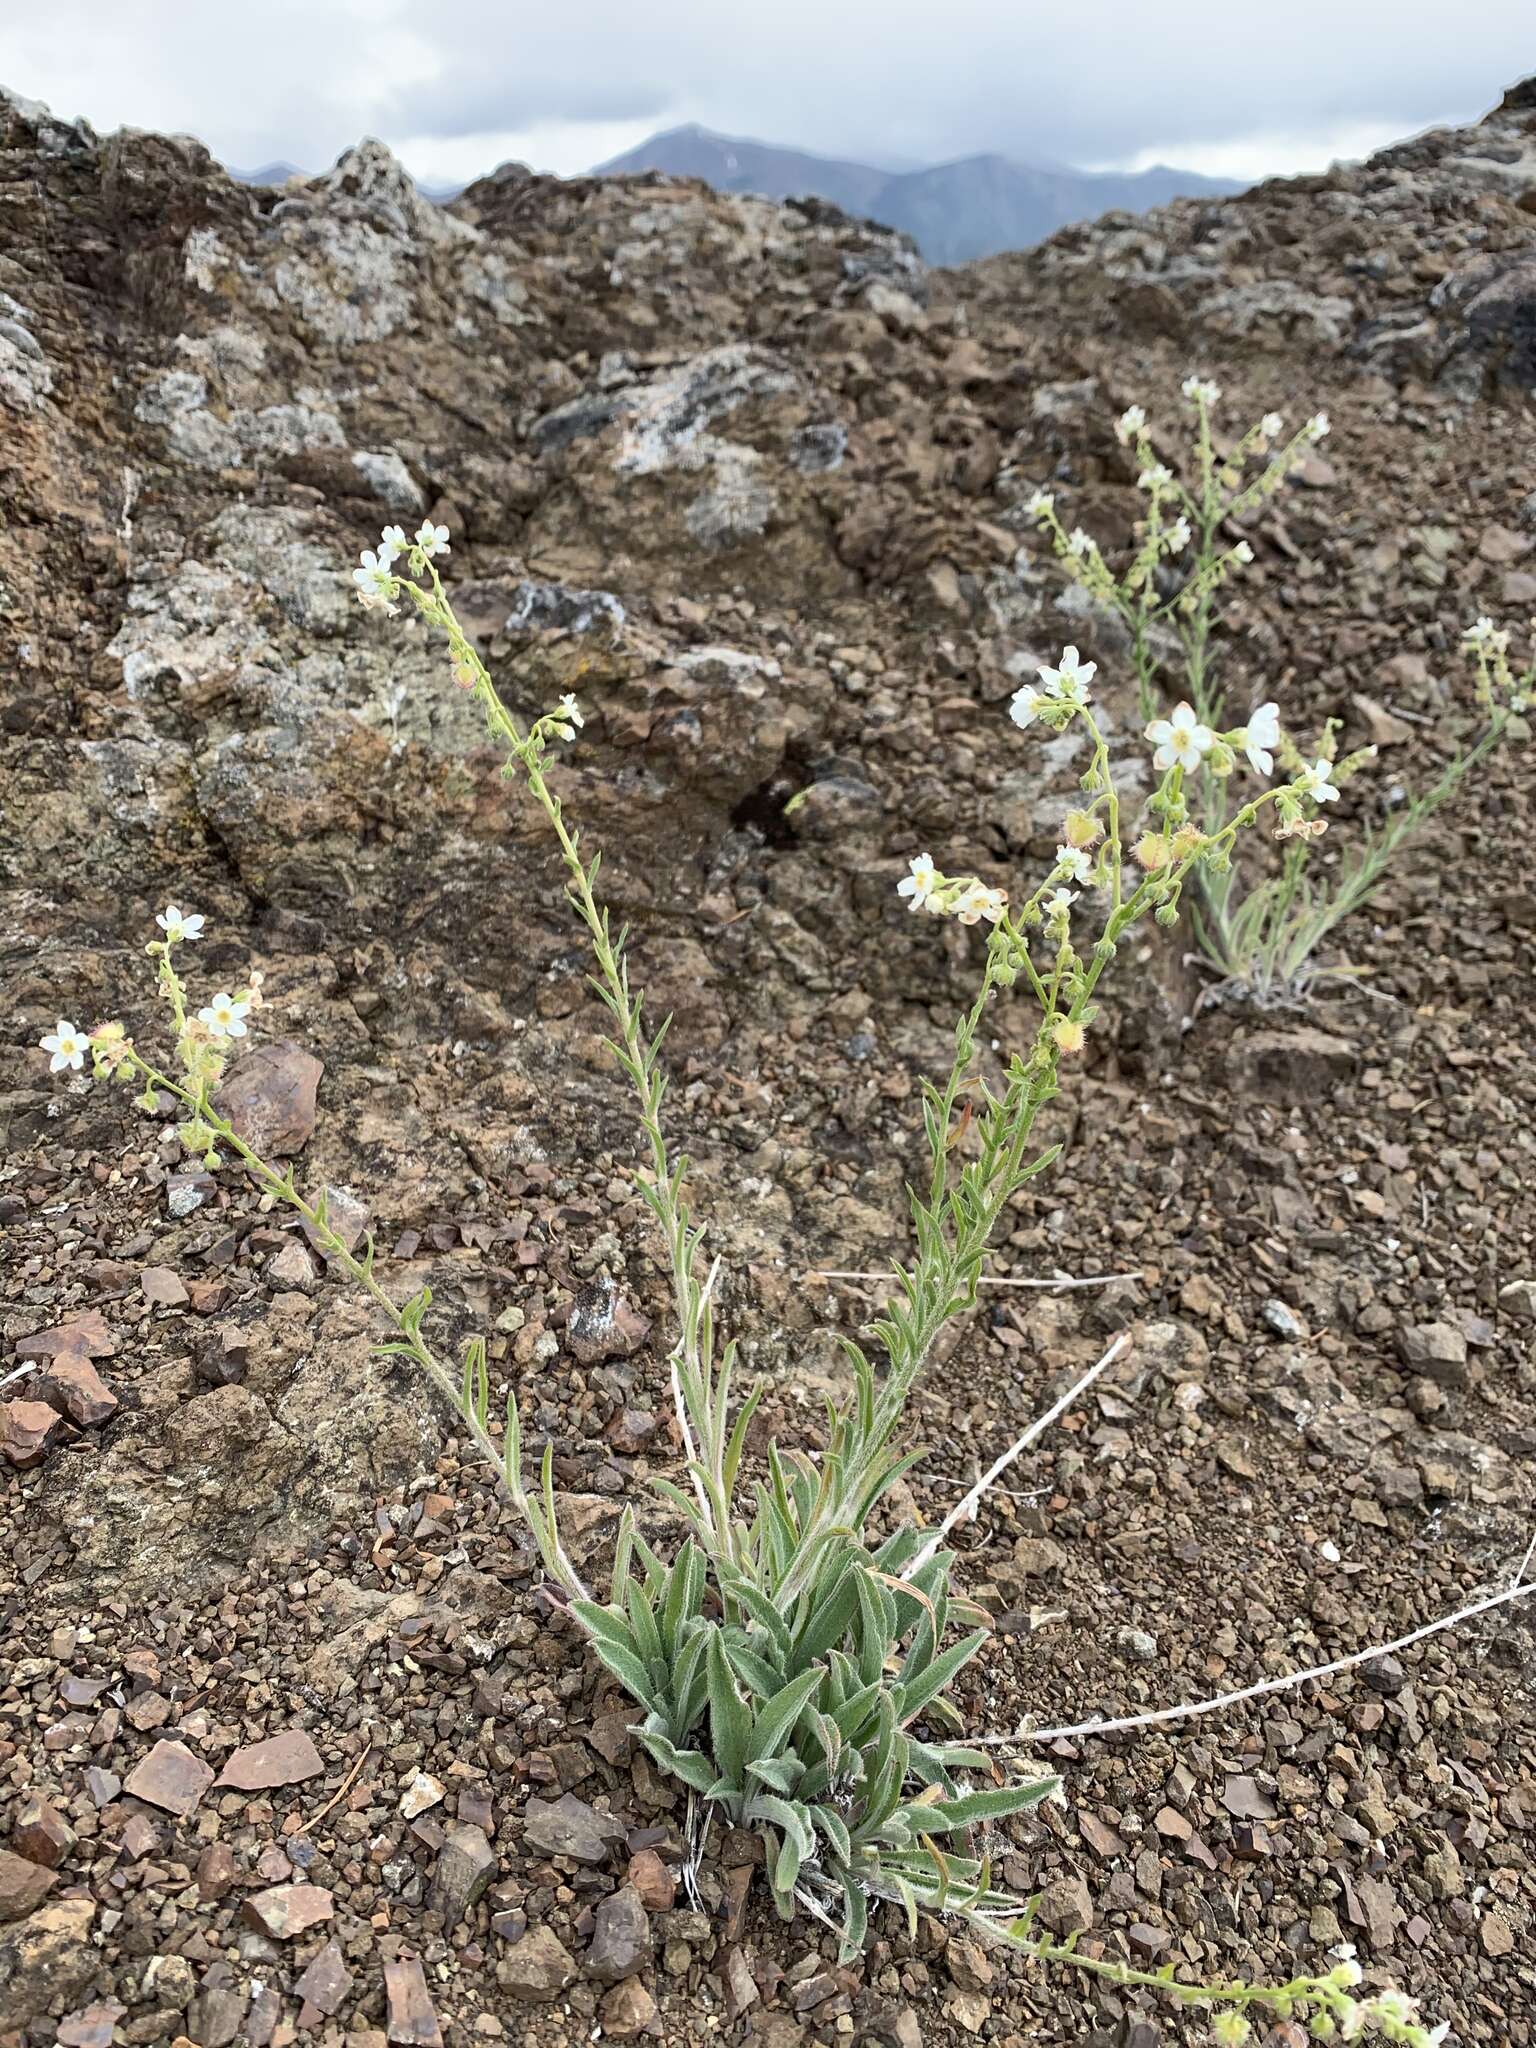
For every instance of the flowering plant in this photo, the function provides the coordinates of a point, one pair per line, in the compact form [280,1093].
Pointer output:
[1263,938]
[791,1667]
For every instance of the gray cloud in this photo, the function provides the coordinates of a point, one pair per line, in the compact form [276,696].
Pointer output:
[902,79]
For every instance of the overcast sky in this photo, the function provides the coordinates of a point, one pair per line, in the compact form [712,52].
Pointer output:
[1214,85]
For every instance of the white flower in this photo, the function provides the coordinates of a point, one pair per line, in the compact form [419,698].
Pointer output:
[1393,2005]
[432,540]
[1068,684]
[1058,905]
[570,711]
[1261,733]
[1130,423]
[1078,542]
[1242,552]
[1201,390]
[1436,2035]
[391,543]
[1485,634]
[179,924]
[1025,708]
[1178,536]
[920,884]
[1318,426]
[1180,740]
[68,1045]
[225,1017]
[978,901]
[1153,479]
[1038,504]
[1314,781]
[1074,861]
[374,581]
[1272,426]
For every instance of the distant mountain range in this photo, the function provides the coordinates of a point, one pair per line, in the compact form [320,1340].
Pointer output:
[955,212]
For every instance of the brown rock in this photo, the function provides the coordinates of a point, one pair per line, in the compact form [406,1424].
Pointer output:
[325,1984]
[87,1336]
[42,1834]
[286,1759]
[170,1777]
[27,1431]
[270,1098]
[652,1880]
[1066,1907]
[216,1871]
[72,1385]
[91,2026]
[621,1937]
[412,2020]
[287,1910]
[46,1960]
[162,1288]
[604,1325]
[627,2010]
[1439,1350]
[465,1865]
[536,1969]
[24,1884]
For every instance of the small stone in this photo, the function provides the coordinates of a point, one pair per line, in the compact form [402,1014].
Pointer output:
[1138,1644]
[1066,1907]
[215,2015]
[27,1432]
[1436,1349]
[628,2009]
[171,1981]
[23,1885]
[1384,1675]
[42,1834]
[325,1984]
[270,1098]
[287,1910]
[412,2020]
[1282,1319]
[604,1325]
[621,1937]
[967,1965]
[91,2026]
[72,1385]
[465,1865]
[1244,1800]
[286,1759]
[170,1777]
[291,1267]
[1518,1299]
[216,1871]
[103,1786]
[567,1826]
[536,1969]
[87,1336]
[1495,1933]
[162,1288]
[652,1880]
[421,1795]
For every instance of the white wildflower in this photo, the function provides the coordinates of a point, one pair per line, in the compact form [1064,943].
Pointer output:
[1057,907]
[1395,2006]
[1155,477]
[375,583]
[1315,781]
[1272,426]
[1027,704]
[1242,552]
[68,1044]
[977,901]
[1261,733]
[1180,740]
[1074,861]
[1201,390]
[179,924]
[1178,536]
[1038,504]
[224,1016]
[1068,683]
[432,540]
[920,883]
[1318,426]
[569,714]
[1079,543]
[391,543]
[1130,423]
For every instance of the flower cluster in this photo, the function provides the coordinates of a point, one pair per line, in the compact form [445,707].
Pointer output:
[376,581]
[963,897]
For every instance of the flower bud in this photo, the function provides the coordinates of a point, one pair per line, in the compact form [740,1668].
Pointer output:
[1068,1034]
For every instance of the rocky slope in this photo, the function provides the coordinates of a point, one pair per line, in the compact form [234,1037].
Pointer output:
[750,480]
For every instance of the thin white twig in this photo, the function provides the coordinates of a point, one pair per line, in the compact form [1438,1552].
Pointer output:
[1530,1551]
[1057,1286]
[1268,1685]
[966,1507]
[19,1373]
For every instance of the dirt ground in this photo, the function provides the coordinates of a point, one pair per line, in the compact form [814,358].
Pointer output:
[1321,1434]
